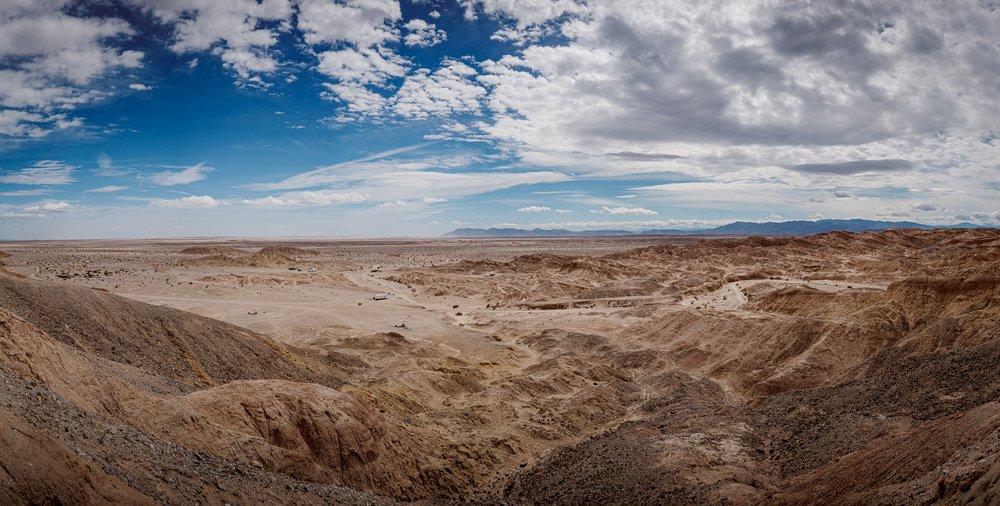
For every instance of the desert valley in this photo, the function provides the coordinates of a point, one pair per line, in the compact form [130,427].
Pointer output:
[847,368]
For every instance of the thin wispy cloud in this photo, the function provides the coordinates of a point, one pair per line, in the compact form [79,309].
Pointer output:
[107,168]
[188,175]
[51,207]
[26,193]
[107,189]
[189,202]
[634,211]
[43,172]
[308,198]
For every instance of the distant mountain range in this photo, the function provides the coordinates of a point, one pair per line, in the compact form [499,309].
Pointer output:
[798,227]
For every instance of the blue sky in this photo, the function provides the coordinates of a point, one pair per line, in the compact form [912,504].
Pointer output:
[365,118]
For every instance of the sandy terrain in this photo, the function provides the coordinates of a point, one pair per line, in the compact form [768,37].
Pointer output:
[838,368]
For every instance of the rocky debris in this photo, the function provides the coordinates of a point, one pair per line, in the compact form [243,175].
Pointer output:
[57,452]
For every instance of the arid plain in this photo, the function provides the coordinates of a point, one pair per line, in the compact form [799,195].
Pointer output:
[837,368]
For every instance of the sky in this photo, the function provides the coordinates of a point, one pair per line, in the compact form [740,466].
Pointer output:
[378,118]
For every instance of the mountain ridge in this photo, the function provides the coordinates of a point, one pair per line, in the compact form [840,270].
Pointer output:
[793,227]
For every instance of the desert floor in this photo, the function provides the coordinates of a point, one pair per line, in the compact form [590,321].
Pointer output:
[537,371]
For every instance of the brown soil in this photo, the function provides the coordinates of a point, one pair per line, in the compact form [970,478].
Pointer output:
[832,369]
[210,250]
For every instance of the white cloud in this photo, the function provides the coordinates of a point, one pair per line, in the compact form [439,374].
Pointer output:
[106,167]
[189,202]
[41,210]
[393,204]
[22,124]
[362,61]
[433,200]
[632,225]
[524,12]
[362,67]
[383,177]
[354,72]
[362,23]
[235,31]
[41,172]
[140,87]
[52,60]
[447,91]
[521,36]
[647,80]
[247,62]
[26,193]
[626,210]
[187,176]
[308,198]
[535,209]
[50,207]
[423,34]
[107,189]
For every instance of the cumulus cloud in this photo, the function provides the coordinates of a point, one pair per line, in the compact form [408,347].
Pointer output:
[354,72]
[52,57]
[361,67]
[393,204]
[639,211]
[189,202]
[361,24]
[43,172]
[433,200]
[140,87]
[524,12]
[444,92]
[186,176]
[236,32]
[423,34]
[535,209]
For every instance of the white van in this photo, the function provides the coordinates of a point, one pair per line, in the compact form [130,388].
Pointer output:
[380,296]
